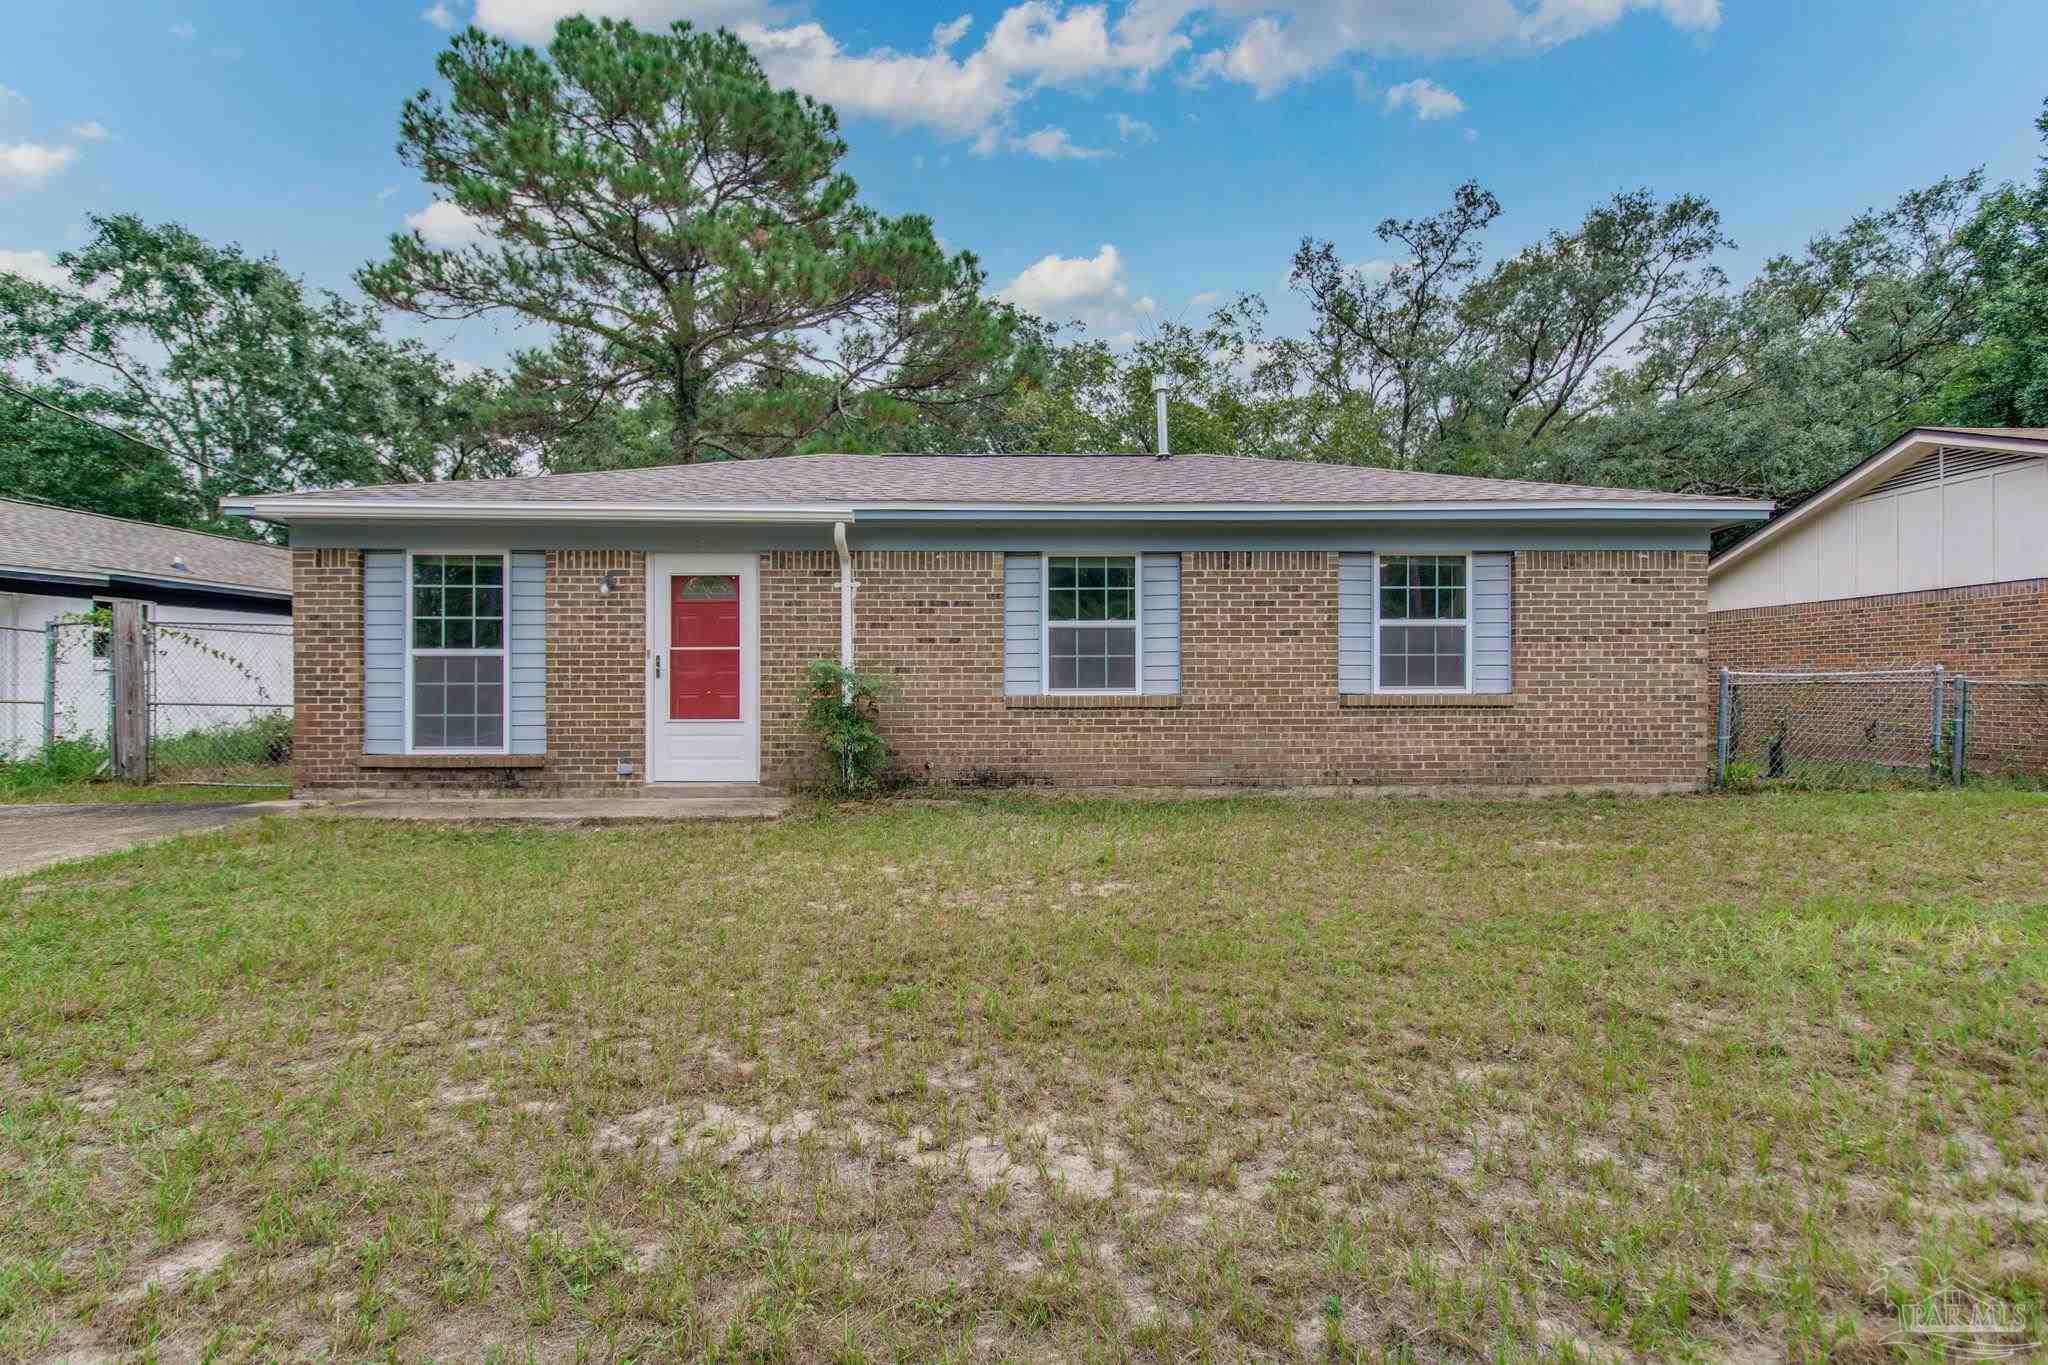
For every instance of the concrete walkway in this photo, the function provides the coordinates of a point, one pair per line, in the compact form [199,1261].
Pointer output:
[733,803]
[36,836]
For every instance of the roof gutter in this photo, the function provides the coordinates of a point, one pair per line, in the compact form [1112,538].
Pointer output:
[109,578]
[1713,512]
[291,509]
[1717,513]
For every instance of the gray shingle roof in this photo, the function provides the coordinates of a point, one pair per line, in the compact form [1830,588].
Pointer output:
[998,479]
[58,540]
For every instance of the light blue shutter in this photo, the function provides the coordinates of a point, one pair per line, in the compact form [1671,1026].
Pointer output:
[1023,610]
[528,661]
[1493,622]
[383,651]
[1160,610]
[1355,606]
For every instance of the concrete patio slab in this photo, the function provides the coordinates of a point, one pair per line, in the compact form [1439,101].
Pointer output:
[603,810]
[36,836]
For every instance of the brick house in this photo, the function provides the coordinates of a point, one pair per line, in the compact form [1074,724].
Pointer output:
[1064,619]
[1932,551]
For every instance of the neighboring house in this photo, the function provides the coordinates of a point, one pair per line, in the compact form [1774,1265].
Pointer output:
[1932,551]
[1067,619]
[56,563]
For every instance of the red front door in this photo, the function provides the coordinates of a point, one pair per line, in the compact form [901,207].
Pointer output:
[704,647]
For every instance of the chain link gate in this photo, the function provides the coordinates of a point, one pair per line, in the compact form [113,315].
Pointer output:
[1999,728]
[1862,728]
[220,703]
[56,687]
[1831,729]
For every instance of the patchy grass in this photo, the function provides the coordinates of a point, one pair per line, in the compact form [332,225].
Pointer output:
[93,792]
[69,772]
[1706,1078]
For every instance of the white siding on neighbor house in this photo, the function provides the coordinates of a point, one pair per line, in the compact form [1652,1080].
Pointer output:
[1356,601]
[240,659]
[1023,622]
[383,651]
[1493,622]
[217,668]
[25,674]
[1972,520]
[1160,613]
[527,620]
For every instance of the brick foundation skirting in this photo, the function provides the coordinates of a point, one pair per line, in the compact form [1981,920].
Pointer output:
[1991,629]
[1610,668]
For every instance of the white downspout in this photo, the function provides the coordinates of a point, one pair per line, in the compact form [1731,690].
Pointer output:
[846,589]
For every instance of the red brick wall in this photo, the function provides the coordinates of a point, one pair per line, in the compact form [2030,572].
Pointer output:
[327,662]
[597,669]
[1998,630]
[1610,679]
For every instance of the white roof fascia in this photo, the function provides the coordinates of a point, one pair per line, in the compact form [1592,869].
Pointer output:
[419,509]
[408,509]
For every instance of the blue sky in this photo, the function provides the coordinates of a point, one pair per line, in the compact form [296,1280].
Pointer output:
[1118,163]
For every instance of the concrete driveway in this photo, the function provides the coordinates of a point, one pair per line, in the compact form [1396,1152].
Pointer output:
[36,836]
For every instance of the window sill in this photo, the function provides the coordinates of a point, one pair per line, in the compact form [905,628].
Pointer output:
[1414,701]
[1084,702]
[451,760]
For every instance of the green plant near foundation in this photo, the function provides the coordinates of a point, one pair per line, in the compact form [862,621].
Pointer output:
[840,708]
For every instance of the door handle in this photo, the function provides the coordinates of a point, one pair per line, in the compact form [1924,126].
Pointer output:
[657,665]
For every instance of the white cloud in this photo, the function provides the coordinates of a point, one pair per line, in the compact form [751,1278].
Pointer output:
[959,93]
[1032,46]
[439,15]
[184,30]
[931,90]
[1088,289]
[1054,144]
[967,92]
[9,95]
[30,163]
[533,21]
[1130,129]
[1267,56]
[35,266]
[92,130]
[1284,41]
[1426,98]
[444,224]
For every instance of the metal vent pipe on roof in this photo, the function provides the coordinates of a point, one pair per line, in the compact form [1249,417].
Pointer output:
[1160,384]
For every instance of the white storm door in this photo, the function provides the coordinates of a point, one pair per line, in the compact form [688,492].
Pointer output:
[703,668]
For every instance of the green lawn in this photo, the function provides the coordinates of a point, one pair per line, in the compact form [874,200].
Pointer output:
[1032,1079]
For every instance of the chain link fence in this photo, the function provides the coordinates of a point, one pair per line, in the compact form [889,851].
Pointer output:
[218,699]
[56,686]
[2003,727]
[220,703]
[1880,727]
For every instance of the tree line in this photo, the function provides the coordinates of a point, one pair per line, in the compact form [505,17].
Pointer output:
[711,287]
